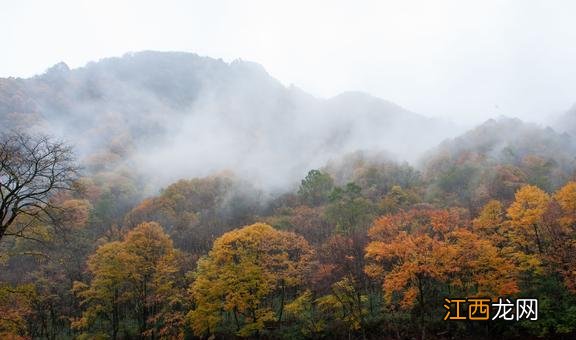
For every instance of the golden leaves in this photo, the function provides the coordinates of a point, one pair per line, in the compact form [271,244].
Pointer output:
[529,206]
[244,268]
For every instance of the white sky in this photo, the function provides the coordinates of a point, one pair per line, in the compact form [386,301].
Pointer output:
[460,59]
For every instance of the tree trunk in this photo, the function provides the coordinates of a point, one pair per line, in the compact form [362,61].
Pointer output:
[538,243]
[115,316]
[282,297]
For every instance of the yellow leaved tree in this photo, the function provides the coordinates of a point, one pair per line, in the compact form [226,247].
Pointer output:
[527,217]
[236,283]
[132,278]
[564,254]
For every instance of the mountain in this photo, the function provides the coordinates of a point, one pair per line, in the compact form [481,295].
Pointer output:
[169,115]
[567,121]
[495,137]
[496,158]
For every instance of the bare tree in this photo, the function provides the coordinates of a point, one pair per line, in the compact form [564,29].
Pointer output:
[32,170]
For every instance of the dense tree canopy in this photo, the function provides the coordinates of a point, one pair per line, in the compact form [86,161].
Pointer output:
[365,248]
[241,276]
[214,202]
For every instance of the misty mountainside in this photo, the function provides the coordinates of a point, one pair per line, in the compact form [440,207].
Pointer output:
[567,121]
[173,115]
[510,139]
[214,202]
[498,157]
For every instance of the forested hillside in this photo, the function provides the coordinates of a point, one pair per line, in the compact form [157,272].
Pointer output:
[197,115]
[192,198]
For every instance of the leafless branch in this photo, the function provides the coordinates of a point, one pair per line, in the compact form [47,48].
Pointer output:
[32,170]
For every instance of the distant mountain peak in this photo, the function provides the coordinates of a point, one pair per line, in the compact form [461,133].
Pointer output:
[168,107]
[58,69]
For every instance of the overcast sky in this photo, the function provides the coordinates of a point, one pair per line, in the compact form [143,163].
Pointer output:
[460,59]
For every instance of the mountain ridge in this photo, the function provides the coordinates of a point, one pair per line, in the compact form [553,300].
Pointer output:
[197,115]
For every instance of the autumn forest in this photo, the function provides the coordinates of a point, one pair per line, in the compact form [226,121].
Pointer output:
[172,196]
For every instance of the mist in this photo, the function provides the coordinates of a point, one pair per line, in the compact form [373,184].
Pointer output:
[287,169]
[167,116]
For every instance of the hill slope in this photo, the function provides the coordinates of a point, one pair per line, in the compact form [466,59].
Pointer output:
[173,115]
[496,158]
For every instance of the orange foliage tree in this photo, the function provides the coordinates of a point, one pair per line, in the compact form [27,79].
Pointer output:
[420,255]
